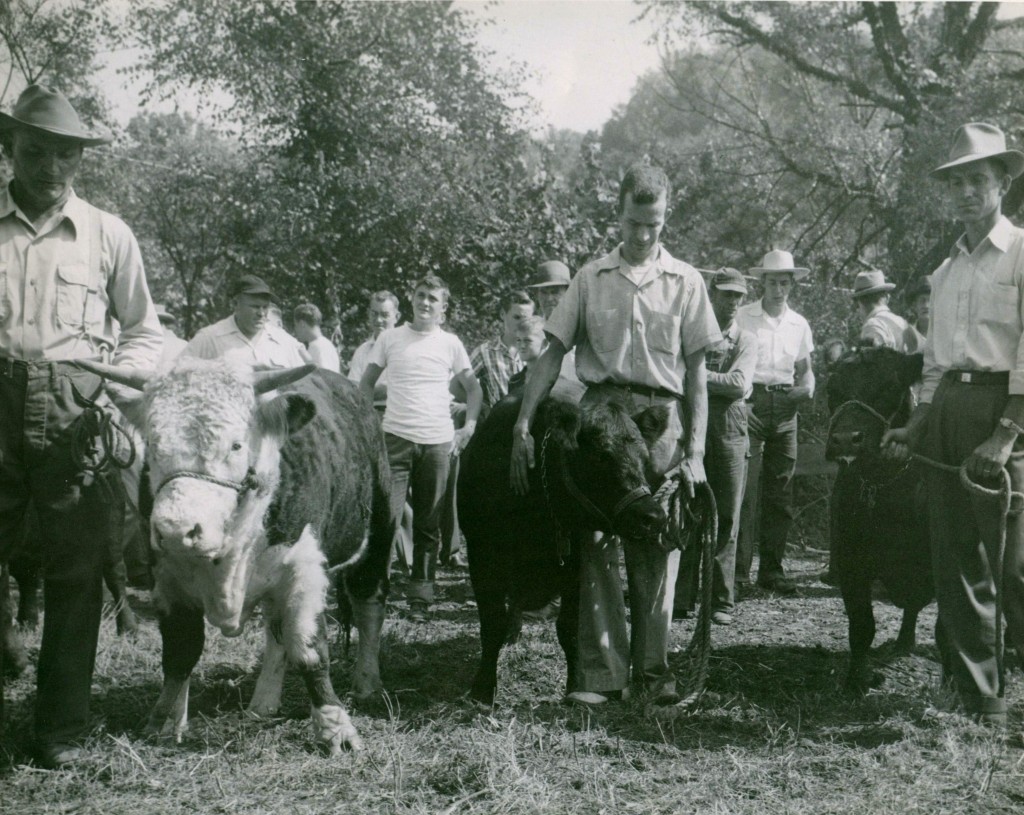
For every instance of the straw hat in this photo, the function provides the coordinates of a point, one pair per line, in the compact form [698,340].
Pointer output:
[779,260]
[42,108]
[975,141]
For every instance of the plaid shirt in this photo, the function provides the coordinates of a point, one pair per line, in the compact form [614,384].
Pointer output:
[493,364]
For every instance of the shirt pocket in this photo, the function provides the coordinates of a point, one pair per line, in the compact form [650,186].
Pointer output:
[72,294]
[663,333]
[999,304]
[606,329]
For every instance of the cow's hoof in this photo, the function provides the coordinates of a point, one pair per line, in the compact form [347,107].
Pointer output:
[862,679]
[481,697]
[335,730]
[15,663]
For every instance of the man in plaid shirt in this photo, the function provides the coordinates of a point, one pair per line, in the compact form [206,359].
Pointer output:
[494,362]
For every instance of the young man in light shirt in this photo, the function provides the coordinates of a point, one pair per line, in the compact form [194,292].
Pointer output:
[306,320]
[421,361]
[783,380]
[971,414]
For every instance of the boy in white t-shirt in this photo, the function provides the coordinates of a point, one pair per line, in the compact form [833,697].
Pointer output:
[421,361]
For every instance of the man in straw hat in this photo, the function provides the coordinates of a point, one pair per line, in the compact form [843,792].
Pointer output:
[881,326]
[71,271]
[783,380]
[971,413]
[640,321]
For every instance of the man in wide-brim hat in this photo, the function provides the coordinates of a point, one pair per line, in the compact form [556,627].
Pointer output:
[783,380]
[548,285]
[881,327]
[72,272]
[971,414]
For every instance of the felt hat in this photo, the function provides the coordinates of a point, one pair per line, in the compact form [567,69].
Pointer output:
[727,279]
[250,284]
[550,273]
[778,260]
[43,108]
[163,314]
[975,141]
[871,281]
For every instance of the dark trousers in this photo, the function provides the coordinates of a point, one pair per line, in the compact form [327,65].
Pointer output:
[768,501]
[965,543]
[725,463]
[37,411]
[420,471]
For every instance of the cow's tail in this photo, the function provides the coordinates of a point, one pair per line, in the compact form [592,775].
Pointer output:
[370,575]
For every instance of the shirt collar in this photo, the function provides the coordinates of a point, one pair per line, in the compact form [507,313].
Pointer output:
[787,316]
[998,236]
[663,262]
[878,310]
[74,209]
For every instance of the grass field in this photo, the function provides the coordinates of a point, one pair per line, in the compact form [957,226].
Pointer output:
[774,734]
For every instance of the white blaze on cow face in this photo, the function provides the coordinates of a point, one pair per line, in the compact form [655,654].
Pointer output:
[214,454]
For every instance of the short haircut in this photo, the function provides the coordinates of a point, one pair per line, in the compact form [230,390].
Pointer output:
[873,300]
[434,283]
[307,313]
[531,325]
[646,183]
[515,298]
[384,296]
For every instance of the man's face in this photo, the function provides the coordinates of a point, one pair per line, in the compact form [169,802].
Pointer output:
[975,191]
[429,306]
[530,344]
[725,304]
[548,297]
[777,286]
[44,167]
[251,313]
[922,306]
[382,316]
[304,331]
[641,226]
[515,314]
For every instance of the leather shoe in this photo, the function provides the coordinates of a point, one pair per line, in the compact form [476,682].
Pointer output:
[721,617]
[777,584]
[58,755]
[585,698]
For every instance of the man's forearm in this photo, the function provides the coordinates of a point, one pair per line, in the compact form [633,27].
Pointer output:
[697,402]
[540,378]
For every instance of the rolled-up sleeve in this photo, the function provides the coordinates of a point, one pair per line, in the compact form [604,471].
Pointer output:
[140,341]
[699,325]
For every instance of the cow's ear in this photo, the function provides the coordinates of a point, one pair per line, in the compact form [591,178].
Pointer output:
[910,368]
[287,414]
[563,420]
[652,421]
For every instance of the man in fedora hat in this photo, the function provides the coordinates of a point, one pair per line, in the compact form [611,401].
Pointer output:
[640,321]
[72,287]
[730,365]
[971,413]
[783,380]
[881,326]
[247,336]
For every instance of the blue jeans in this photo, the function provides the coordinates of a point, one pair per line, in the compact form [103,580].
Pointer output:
[420,471]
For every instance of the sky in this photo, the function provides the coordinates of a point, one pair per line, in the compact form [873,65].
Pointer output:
[583,57]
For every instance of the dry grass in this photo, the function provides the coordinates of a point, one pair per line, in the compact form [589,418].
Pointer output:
[775,734]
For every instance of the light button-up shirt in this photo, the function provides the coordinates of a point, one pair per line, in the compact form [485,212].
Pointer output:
[781,342]
[977,310]
[272,347]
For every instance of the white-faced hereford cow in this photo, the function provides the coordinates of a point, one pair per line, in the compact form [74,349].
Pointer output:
[259,503]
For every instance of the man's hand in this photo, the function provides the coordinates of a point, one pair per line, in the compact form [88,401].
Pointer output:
[896,444]
[691,469]
[989,457]
[799,394]
[462,437]
[522,459]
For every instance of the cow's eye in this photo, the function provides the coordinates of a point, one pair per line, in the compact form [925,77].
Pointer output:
[236,446]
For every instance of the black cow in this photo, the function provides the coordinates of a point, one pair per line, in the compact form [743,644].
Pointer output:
[524,550]
[879,518]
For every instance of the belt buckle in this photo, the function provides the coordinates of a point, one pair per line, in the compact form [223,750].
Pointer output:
[965,377]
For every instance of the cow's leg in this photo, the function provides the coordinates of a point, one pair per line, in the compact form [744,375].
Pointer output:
[906,640]
[857,600]
[115,576]
[27,571]
[369,620]
[181,630]
[301,601]
[493,612]
[266,699]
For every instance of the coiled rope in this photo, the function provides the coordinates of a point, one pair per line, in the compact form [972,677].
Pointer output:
[98,442]
[692,523]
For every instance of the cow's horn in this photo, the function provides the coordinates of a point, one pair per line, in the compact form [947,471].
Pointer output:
[271,380]
[132,377]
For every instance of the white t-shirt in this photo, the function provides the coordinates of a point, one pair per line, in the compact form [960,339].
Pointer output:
[324,354]
[420,366]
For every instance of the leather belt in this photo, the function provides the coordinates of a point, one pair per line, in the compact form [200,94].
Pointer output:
[643,390]
[999,379]
[772,388]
